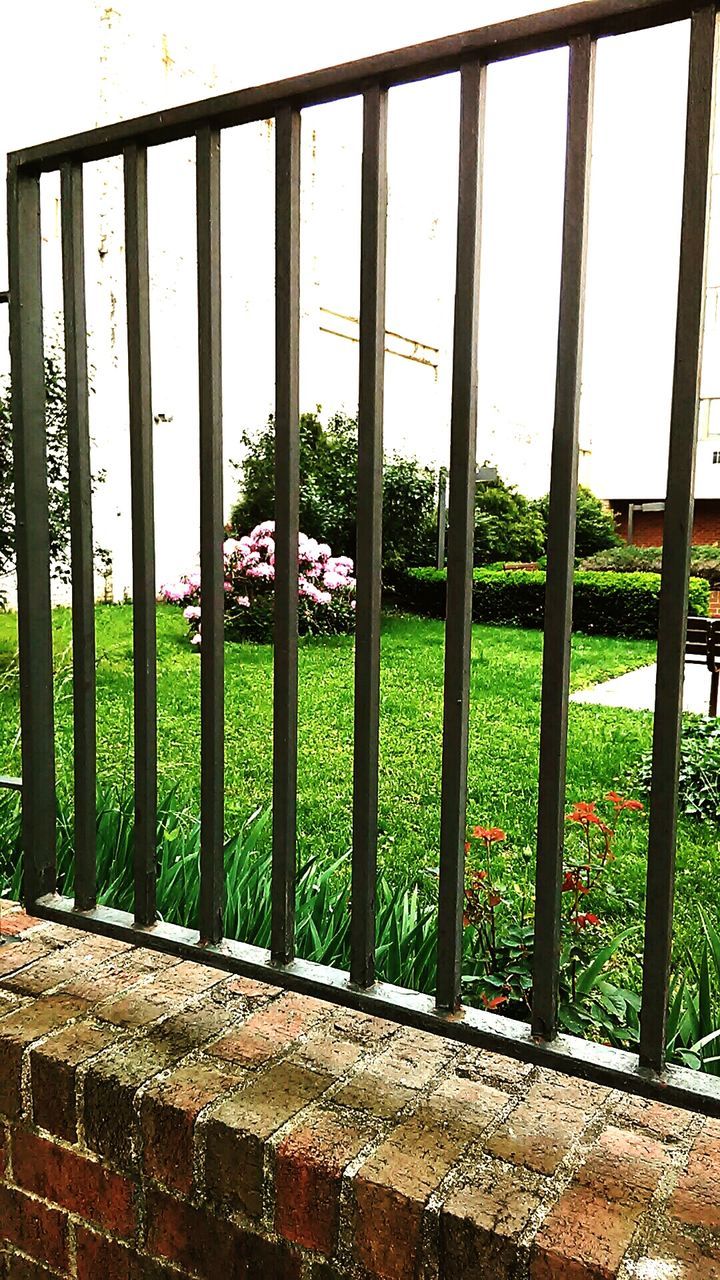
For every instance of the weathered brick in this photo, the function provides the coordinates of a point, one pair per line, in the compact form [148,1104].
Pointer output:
[210,1246]
[392,1187]
[553,1086]
[538,1134]
[88,953]
[481,1223]
[99,1258]
[143,1004]
[308,1173]
[109,1088]
[656,1118]
[121,972]
[34,1228]
[53,1071]
[696,1197]
[391,1080]
[168,1113]
[493,1068]
[324,1050]
[18,1031]
[623,1166]
[238,1128]
[76,1183]
[588,1231]
[14,920]
[18,1267]
[18,954]
[674,1256]
[584,1238]
[269,1031]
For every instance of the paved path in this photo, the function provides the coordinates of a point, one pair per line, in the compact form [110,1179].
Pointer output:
[636,690]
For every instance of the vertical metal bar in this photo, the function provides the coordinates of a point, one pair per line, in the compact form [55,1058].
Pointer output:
[212,652]
[32,535]
[287,414]
[81,538]
[676,544]
[143,531]
[369,535]
[463,437]
[561,541]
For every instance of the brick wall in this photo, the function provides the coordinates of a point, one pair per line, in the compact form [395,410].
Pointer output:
[648,525]
[159,1120]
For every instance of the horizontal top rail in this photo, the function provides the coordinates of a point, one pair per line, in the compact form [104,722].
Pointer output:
[494,43]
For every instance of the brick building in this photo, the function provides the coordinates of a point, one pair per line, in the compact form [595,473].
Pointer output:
[648,525]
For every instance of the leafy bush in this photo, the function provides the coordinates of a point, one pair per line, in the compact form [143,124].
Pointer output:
[508,526]
[699,789]
[594,524]
[328,490]
[326,589]
[704,561]
[498,917]
[693,1025]
[603,603]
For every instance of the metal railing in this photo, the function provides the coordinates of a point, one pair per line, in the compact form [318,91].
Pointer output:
[577,27]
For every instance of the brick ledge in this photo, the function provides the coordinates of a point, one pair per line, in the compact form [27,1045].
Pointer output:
[159,1119]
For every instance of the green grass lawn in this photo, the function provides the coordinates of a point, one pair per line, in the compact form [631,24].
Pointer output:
[605,743]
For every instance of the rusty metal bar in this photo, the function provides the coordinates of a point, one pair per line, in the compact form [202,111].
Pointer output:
[678,524]
[369,536]
[463,435]
[212,651]
[561,543]
[32,536]
[81,536]
[143,531]
[493,43]
[287,481]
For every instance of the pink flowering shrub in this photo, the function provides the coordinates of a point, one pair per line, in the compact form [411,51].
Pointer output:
[326,589]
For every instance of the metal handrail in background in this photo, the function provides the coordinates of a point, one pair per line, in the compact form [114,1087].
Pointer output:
[578,28]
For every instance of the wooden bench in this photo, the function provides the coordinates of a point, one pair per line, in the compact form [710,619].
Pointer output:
[702,644]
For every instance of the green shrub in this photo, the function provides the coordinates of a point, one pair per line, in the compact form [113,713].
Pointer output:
[604,603]
[594,524]
[508,526]
[699,782]
[704,561]
[328,490]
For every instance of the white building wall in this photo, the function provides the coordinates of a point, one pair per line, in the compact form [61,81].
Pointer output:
[122,59]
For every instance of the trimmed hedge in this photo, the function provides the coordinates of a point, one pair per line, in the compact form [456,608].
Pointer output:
[610,604]
[704,561]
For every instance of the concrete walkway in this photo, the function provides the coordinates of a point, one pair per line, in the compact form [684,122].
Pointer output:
[636,690]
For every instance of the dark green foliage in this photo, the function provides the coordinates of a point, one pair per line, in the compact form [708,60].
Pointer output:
[328,491]
[508,526]
[704,561]
[594,524]
[604,603]
[699,789]
[56,424]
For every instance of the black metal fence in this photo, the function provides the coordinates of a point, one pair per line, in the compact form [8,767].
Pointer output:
[578,27]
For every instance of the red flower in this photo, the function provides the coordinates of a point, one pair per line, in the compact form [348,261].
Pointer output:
[491,834]
[573,884]
[494,1003]
[467,846]
[494,899]
[621,804]
[584,918]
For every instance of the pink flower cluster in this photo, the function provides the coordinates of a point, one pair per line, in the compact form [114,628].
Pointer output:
[325,584]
